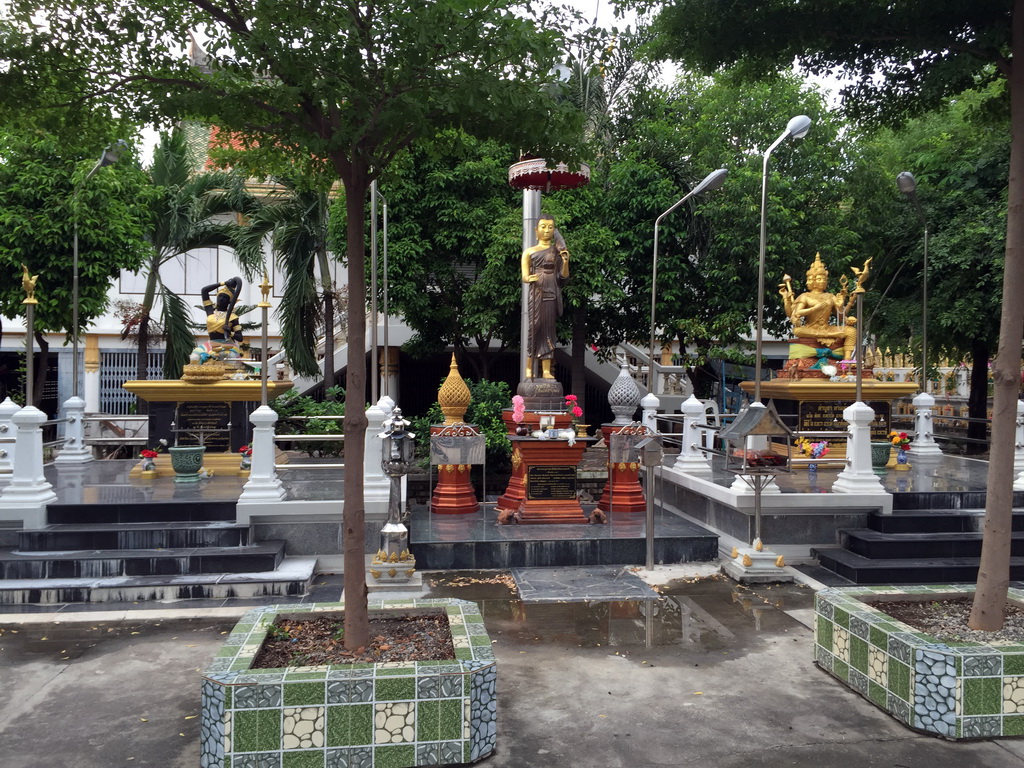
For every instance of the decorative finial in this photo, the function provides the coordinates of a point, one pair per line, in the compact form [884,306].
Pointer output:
[265,287]
[454,396]
[28,282]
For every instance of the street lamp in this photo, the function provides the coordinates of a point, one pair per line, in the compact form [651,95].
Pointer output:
[109,157]
[797,127]
[713,180]
[908,186]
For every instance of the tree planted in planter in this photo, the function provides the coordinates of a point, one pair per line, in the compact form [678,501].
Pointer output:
[355,84]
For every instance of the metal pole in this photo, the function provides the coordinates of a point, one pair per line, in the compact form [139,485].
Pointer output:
[531,212]
[924,314]
[757,507]
[387,361]
[651,380]
[650,518]
[373,293]
[30,329]
[760,269]
[859,342]
[74,297]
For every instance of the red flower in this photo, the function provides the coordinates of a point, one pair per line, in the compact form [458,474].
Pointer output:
[245,450]
[148,453]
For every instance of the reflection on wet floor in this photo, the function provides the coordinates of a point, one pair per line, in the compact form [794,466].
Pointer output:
[710,614]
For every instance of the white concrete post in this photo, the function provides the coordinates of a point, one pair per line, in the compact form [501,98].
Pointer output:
[376,485]
[858,477]
[91,389]
[691,458]
[263,484]
[924,439]
[649,411]
[74,451]
[8,433]
[28,489]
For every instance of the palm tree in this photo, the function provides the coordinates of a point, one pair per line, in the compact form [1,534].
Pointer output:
[297,218]
[185,212]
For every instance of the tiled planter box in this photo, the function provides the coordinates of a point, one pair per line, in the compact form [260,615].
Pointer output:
[353,715]
[955,690]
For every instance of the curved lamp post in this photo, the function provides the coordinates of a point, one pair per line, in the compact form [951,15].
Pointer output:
[797,127]
[110,156]
[713,180]
[908,186]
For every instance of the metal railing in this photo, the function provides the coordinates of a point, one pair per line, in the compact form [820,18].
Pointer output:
[327,437]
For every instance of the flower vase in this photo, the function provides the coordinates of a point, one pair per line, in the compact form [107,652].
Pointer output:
[148,465]
[812,468]
[246,463]
[522,430]
[581,430]
[902,462]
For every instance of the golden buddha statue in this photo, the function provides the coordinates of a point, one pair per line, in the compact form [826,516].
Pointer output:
[812,313]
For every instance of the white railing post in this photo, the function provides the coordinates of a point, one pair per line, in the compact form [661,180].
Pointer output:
[74,451]
[858,477]
[28,489]
[649,410]
[691,458]
[8,434]
[263,484]
[924,426]
[376,485]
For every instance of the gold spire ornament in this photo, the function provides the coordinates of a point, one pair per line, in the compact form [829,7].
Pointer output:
[454,397]
[265,287]
[28,282]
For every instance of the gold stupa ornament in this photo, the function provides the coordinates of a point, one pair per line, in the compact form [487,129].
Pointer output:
[454,397]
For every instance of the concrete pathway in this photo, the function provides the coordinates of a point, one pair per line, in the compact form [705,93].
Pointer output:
[711,674]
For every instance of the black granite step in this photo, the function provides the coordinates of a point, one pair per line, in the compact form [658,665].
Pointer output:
[953,544]
[862,570]
[937,520]
[936,500]
[192,510]
[292,577]
[158,535]
[262,557]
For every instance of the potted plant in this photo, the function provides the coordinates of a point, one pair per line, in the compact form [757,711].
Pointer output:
[392,715]
[246,464]
[901,441]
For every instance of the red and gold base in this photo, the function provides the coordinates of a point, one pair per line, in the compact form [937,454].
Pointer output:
[623,492]
[515,505]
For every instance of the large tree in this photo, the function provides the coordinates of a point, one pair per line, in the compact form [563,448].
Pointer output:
[901,58]
[355,84]
[42,195]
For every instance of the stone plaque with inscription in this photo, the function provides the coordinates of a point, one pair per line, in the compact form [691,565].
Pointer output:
[207,422]
[551,483]
[828,417]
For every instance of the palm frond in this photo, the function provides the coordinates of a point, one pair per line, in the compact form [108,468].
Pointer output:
[180,340]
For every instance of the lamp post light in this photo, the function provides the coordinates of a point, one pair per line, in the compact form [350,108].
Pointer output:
[908,186]
[797,127]
[713,180]
[110,156]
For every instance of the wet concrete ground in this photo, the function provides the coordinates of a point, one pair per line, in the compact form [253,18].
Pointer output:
[710,674]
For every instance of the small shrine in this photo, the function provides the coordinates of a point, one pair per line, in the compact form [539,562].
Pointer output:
[819,379]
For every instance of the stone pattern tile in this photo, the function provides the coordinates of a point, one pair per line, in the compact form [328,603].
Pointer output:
[350,716]
[966,690]
[580,584]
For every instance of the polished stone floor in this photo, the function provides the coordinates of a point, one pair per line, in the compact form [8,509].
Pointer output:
[586,584]
[938,475]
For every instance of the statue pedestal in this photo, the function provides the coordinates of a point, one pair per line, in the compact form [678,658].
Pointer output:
[819,406]
[622,492]
[454,493]
[542,488]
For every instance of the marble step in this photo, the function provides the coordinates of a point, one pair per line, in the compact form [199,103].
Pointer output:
[863,570]
[938,520]
[947,544]
[100,563]
[291,577]
[184,510]
[158,535]
[936,500]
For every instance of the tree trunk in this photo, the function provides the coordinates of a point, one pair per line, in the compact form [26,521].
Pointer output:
[977,402]
[40,370]
[357,623]
[994,572]
[142,347]
[578,369]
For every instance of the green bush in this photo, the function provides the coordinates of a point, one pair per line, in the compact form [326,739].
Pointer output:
[489,398]
[292,404]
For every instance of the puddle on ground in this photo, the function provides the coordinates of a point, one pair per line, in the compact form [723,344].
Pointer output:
[710,614]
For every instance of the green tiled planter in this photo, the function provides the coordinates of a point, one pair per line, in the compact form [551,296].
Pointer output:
[956,690]
[353,715]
